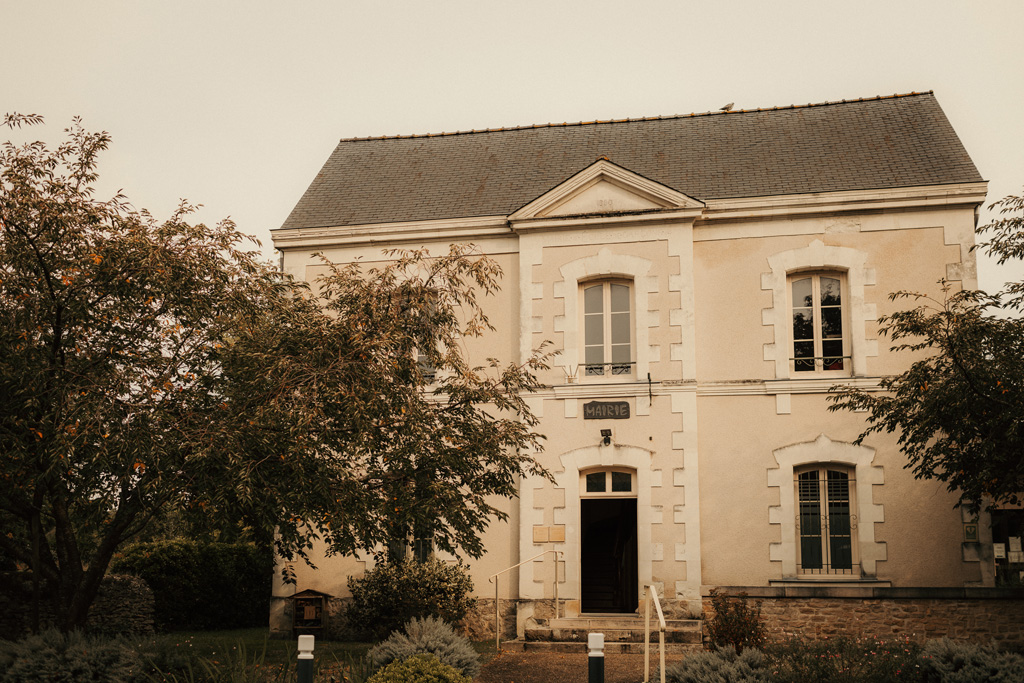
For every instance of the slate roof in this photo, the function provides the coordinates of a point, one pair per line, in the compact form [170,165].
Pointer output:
[882,142]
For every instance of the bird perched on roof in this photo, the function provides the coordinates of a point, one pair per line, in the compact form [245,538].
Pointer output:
[727,107]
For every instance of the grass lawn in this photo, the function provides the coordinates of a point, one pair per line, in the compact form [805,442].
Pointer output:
[254,646]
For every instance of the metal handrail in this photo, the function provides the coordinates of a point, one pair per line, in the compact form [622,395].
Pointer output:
[649,591]
[497,608]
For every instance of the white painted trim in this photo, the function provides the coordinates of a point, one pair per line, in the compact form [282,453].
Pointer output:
[573,462]
[818,257]
[786,386]
[624,219]
[714,211]
[605,264]
[604,170]
[942,196]
[450,229]
[822,451]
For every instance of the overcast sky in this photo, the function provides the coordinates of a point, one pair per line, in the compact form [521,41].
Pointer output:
[236,105]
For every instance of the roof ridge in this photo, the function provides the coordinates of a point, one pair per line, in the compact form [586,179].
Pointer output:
[641,118]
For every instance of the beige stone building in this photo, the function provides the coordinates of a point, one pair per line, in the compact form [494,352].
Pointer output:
[706,279]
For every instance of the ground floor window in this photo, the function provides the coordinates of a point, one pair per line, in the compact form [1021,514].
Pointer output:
[826,522]
[1007,548]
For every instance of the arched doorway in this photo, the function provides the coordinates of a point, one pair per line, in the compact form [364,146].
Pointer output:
[608,540]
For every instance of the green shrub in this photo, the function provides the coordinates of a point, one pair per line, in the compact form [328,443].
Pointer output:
[839,660]
[952,662]
[389,595]
[427,636]
[735,623]
[55,657]
[720,666]
[198,585]
[165,657]
[418,669]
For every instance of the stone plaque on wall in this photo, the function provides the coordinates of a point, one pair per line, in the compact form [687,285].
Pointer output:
[606,410]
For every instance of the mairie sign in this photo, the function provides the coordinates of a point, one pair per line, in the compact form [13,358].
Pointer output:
[606,410]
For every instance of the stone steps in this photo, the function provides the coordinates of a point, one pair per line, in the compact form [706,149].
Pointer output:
[609,648]
[621,634]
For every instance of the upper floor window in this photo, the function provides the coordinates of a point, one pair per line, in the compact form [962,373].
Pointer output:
[607,328]
[425,367]
[826,522]
[819,341]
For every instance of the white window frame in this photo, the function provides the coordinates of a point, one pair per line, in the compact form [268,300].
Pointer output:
[818,338]
[824,452]
[608,492]
[605,265]
[816,256]
[609,369]
[827,521]
[425,367]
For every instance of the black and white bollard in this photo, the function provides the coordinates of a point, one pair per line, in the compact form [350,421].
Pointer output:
[304,669]
[595,658]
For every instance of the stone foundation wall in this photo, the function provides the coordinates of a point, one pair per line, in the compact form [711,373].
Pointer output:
[124,606]
[478,624]
[968,614]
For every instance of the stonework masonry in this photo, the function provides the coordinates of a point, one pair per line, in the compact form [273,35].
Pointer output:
[968,614]
[124,606]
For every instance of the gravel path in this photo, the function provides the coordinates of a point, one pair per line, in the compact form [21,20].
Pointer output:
[558,667]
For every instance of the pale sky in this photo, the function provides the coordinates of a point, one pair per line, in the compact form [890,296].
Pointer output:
[236,105]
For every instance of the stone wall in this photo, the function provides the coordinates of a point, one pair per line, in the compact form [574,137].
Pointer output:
[478,623]
[124,606]
[968,614]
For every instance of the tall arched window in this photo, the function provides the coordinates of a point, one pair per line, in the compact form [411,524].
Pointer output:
[819,341]
[607,328]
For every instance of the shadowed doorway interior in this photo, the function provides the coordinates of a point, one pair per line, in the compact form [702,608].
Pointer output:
[608,573]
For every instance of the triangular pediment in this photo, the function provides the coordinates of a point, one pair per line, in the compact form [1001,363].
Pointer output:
[605,188]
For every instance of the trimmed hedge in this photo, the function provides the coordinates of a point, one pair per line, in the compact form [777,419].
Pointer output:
[204,586]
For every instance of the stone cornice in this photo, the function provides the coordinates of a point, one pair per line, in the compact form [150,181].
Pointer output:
[769,387]
[448,229]
[718,211]
[927,196]
[607,220]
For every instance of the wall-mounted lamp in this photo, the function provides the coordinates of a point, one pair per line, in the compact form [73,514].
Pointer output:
[606,437]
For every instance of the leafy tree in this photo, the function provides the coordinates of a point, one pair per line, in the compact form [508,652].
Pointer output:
[151,368]
[425,453]
[958,408]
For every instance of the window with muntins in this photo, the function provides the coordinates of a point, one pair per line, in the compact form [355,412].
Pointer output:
[607,329]
[819,342]
[425,367]
[605,483]
[825,520]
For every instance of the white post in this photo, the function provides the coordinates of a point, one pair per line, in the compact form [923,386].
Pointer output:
[595,658]
[304,668]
